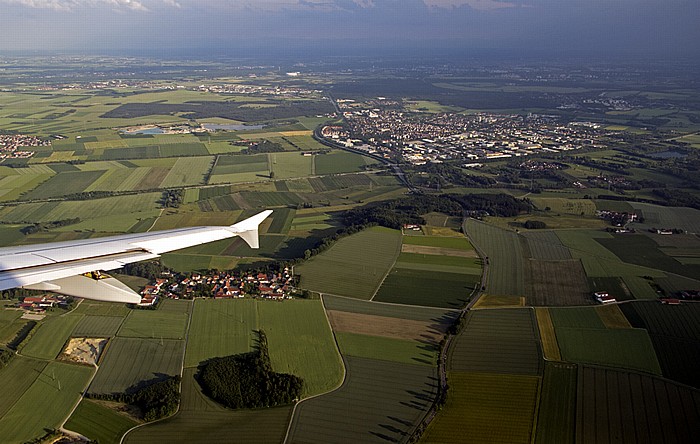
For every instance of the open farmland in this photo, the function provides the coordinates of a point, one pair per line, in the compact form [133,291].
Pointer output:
[98,326]
[634,408]
[545,245]
[64,184]
[406,351]
[46,403]
[338,161]
[550,347]
[127,362]
[155,324]
[624,348]
[201,419]
[50,336]
[506,263]
[675,333]
[438,318]
[555,283]
[486,408]
[97,308]
[354,266]
[499,341]
[389,327]
[99,423]
[427,288]
[379,401]
[22,372]
[300,340]
[557,411]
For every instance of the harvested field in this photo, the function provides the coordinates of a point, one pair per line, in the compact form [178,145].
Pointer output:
[486,408]
[379,401]
[498,341]
[490,301]
[437,251]
[550,347]
[624,407]
[612,317]
[557,283]
[342,321]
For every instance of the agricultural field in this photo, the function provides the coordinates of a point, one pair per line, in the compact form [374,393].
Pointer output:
[550,348]
[201,419]
[97,308]
[300,340]
[584,207]
[498,341]
[337,162]
[506,258]
[427,331]
[675,333]
[97,326]
[99,423]
[50,336]
[632,408]
[354,266]
[557,283]
[154,324]
[126,362]
[46,402]
[22,372]
[379,401]
[427,288]
[388,349]
[438,319]
[545,245]
[557,410]
[668,217]
[486,408]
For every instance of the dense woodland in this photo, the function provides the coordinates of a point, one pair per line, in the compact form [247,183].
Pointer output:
[156,400]
[247,381]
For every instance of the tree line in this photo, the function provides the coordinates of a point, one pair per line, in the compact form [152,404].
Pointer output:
[156,400]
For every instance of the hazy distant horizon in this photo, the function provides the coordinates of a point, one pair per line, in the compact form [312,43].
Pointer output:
[352,27]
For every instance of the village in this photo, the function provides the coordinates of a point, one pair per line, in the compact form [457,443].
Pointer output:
[222,285]
[14,145]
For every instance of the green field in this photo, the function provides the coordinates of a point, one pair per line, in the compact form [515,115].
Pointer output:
[50,336]
[379,400]
[456,243]
[97,308]
[575,318]
[557,411]
[300,339]
[387,349]
[97,326]
[506,267]
[624,348]
[394,311]
[22,372]
[486,408]
[127,362]
[354,266]
[427,288]
[154,324]
[337,162]
[46,403]
[201,419]
[499,341]
[99,423]
[545,245]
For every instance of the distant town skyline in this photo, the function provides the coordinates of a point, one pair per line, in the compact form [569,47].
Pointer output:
[607,27]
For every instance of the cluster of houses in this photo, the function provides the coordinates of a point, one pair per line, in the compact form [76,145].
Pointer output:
[221,286]
[604,297]
[39,304]
[617,219]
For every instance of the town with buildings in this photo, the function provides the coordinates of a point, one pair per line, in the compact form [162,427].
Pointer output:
[14,146]
[220,285]
[381,127]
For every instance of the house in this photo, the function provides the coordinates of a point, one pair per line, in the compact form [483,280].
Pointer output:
[604,297]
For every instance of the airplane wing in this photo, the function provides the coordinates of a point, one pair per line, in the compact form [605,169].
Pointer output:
[59,266]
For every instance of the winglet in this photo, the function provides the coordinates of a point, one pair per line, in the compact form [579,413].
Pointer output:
[248,229]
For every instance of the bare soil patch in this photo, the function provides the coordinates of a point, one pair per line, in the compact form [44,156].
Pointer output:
[84,350]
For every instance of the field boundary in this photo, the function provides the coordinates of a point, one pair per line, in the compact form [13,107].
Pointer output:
[393,265]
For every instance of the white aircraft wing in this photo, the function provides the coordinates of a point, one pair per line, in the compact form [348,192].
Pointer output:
[59,266]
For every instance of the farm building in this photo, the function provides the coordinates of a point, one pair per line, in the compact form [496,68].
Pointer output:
[604,297]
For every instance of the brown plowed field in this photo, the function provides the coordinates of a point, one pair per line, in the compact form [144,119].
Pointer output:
[343,321]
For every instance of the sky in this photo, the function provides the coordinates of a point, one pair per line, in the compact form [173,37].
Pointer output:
[337,26]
